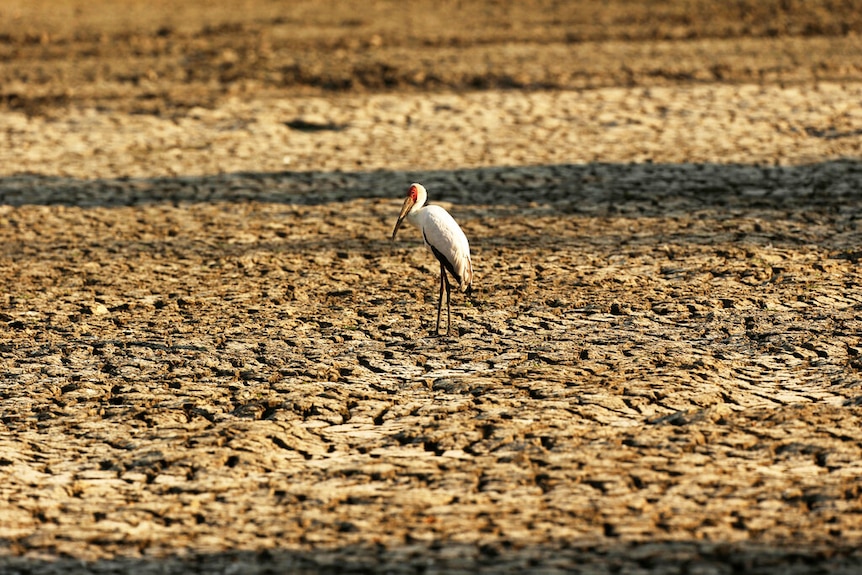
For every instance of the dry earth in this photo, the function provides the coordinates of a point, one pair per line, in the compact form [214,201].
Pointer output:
[214,360]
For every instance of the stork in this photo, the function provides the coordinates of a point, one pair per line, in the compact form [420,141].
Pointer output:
[445,239]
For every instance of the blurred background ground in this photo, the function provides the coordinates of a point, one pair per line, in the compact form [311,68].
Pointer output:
[165,57]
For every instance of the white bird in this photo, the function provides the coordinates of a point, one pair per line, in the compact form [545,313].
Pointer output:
[444,238]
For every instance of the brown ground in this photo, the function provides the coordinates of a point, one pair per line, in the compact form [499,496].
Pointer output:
[212,364]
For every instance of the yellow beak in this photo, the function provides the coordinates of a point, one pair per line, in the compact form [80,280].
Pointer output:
[405,209]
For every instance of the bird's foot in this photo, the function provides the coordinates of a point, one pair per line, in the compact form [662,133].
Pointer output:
[446,334]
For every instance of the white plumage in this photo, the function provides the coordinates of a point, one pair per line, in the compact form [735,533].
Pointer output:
[444,238]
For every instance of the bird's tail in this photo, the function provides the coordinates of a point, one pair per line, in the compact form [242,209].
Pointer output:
[467,278]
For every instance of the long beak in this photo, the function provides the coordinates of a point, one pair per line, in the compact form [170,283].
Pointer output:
[405,209]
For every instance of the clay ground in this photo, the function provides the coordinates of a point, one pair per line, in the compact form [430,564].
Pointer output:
[214,359]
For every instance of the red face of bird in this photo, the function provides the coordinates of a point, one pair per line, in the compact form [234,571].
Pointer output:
[412,198]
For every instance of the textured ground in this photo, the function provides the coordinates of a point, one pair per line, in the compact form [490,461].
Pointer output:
[214,359]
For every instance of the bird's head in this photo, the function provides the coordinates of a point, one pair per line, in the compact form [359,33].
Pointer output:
[416,198]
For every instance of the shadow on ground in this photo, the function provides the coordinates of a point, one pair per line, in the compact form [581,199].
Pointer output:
[664,557]
[624,189]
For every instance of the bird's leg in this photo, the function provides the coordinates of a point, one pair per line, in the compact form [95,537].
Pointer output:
[440,299]
[448,303]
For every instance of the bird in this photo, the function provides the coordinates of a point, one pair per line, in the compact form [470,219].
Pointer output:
[446,240]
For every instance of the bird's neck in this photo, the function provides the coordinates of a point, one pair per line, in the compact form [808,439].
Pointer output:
[414,213]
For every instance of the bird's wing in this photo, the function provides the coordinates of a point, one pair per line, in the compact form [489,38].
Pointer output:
[447,240]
